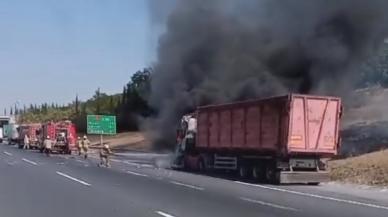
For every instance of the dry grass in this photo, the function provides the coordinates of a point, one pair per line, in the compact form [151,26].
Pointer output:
[368,169]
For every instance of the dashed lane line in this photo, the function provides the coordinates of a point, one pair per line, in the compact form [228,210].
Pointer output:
[187,185]
[164,214]
[137,174]
[268,204]
[29,161]
[316,196]
[72,178]
[7,153]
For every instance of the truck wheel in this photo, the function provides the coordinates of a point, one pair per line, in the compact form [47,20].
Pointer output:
[258,173]
[184,165]
[201,165]
[272,175]
[243,171]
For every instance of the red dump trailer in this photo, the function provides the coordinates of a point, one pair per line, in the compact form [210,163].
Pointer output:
[282,139]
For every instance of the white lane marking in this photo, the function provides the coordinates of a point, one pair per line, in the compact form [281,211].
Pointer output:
[114,160]
[29,161]
[268,204]
[317,196]
[164,214]
[187,185]
[138,164]
[132,164]
[72,178]
[137,174]
[147,165]
[7,153]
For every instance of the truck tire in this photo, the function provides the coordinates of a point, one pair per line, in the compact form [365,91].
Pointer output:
[201,165]
[243,171]
[272,175]
[258,173]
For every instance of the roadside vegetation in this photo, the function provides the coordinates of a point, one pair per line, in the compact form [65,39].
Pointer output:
[129,106]
[367,169]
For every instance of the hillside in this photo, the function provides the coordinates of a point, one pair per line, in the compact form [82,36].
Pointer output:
[367,169]
[365,122]
[365,136]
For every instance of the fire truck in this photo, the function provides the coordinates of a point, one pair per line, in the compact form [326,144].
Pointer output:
[63,135]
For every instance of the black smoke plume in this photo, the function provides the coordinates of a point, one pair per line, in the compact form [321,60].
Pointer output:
[225,50]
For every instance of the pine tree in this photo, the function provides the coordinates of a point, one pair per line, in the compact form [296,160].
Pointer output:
[124,95]
[111,105]
[98,106]
[44,108]
[76,105]
[83,109]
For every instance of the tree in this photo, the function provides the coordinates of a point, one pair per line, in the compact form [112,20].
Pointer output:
[124,95]
[83,109]
[44,108]
[111,105]
[97,100]
[76,105]
[134,100]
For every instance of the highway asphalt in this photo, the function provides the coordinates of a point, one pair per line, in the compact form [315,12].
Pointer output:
[33,185]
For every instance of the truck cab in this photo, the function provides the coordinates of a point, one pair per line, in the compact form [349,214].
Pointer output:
[4,120]
[185,140]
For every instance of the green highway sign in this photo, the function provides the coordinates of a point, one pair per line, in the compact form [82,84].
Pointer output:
[101,124]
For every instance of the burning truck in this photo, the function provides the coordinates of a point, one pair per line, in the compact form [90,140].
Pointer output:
[282,139]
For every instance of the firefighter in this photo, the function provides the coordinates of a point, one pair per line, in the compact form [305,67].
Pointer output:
[47,144]
[26,142]
[85,146]
[79,145]
[104,155]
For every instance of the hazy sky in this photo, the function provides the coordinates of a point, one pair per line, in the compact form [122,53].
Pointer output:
[50,50]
